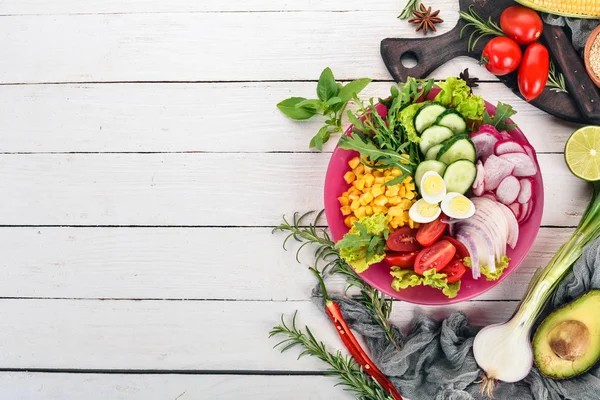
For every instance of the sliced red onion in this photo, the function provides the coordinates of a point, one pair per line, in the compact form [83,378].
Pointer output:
[469,243]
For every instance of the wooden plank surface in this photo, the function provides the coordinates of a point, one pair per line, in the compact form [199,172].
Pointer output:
[178,335]
[153,263]
[199,189]
[184,118]
[64,386]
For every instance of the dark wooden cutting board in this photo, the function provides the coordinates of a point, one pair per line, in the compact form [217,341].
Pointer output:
[581,104]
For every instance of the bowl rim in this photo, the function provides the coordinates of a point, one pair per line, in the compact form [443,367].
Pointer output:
[586,55]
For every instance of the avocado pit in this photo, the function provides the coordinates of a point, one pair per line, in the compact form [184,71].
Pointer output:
[569,340]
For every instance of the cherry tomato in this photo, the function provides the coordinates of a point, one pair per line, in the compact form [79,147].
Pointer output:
[436,256]
[455,270]
[533,73]
[402,260]
[521,24]
[429,233]
[461,250]
[404,239]
[501,55]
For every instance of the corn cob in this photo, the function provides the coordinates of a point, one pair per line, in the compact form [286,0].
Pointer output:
[567,8]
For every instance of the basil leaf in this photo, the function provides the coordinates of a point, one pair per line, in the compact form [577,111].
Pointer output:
[327,86]
[288,107]
[314,104]
[353,88]
[320,138]
[333,101]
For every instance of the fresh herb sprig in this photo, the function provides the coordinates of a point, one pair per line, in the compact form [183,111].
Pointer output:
[481,27]
[407,11]
[333,98]
[498,120]
[350,374]
[556,80]
[326,254]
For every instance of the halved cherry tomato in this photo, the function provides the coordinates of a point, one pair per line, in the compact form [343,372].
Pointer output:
[501,55]
[436,256]
[404,239]
[533,73]
[402,260]
[461,250]
[521,24]
[455,270]
[429,233]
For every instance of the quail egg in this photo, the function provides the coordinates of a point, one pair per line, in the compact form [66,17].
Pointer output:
[424,212]
[432,187]
[455,205]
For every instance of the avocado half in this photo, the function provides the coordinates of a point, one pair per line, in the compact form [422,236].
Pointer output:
[567,343]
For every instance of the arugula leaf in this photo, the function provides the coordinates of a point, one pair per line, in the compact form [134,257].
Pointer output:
[288,107]
[327,86]
[503,113]
[377,157]
[353,88]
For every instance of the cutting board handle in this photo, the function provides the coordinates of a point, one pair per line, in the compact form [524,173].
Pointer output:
[430,53]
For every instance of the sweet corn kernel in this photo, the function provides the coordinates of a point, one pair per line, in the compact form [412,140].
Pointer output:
[354,162]
[360,169]
[344,201]
[392,190]
[411,223]
[349,177]
[380,200]
[410,186]
[360,212]
[346,210]
[350,220]
[410,195]
[353,190]
[396,172]
[387,172]
[377,191]
[405,162]
[379,180]
[395,211]
[369,210]
[369,180]
[402,191]
[359,184]
[394,200]
[399,221]
[407,180]
[405,204]
[354,196]
[354,205]
[368,169]
[366,198]
[377,173]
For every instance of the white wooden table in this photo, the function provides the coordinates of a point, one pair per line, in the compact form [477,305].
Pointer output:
[143,166]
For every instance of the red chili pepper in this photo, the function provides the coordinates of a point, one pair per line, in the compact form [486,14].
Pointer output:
[349,340]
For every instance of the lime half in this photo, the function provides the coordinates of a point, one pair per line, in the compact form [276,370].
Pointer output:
[582,153]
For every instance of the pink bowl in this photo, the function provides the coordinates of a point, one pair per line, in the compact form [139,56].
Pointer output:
[378,275]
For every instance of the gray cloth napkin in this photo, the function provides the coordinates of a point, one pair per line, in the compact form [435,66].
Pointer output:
[580,28]
[436,361]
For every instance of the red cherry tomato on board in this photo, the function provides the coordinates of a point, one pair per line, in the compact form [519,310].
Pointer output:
[402,260]
[521,24]
[404,239]
[461,250]
[435,256]
[455,270]
[533,73]
[501,55]
[430,232]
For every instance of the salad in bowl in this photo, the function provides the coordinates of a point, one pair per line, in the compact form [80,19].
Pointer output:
[433,196]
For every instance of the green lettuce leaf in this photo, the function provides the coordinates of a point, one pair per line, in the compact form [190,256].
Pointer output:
[364,244]
[451,290]
[407,116]
[485,270]
[456,94]
[404,278]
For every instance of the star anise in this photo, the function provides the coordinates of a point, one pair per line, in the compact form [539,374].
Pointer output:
[425,19]
[471,81]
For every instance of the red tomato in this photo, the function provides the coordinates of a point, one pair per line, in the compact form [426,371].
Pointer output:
[521,24]
[533,73]
[461,250]
[455,270]
[436,256]
[501,55]
[402,260]
[429,233]
[404,239]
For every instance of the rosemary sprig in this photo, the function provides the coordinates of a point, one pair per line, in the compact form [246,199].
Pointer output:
[481,27]
[408,9]
[350,374]
[379,304]
[556,80]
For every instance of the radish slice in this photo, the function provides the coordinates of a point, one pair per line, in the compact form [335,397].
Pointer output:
[523,165]
[508,190]
[525,211]
[490,195]
[479,183]
[496,169]
[526,190]
[516,209]
[490,130]
[505,135]
[530,152]
[484,140]
[508,146]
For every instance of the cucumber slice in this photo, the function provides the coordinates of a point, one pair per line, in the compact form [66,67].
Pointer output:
[459,176]
[426,166]
[433,152]
[434,135]
[457,148]
[427,115]
[453,120]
